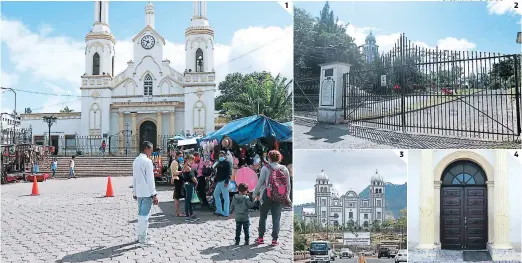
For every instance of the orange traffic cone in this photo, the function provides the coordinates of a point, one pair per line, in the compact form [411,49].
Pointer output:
[35,191]
[110,192]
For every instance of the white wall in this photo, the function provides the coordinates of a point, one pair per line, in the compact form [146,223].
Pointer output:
[61,127]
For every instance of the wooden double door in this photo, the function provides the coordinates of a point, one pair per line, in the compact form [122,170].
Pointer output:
[464,223]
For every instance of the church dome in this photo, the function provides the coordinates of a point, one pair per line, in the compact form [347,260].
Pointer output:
[370,38]
[377,177]
[322,176]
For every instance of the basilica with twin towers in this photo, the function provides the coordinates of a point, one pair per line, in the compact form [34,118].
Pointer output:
[333,209]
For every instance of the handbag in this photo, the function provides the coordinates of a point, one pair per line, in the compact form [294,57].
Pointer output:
[195,198]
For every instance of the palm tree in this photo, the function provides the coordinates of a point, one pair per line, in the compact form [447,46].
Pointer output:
[66,109]
[270,97]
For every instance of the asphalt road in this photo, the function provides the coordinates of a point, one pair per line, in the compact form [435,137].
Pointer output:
[71,221]
[379,260]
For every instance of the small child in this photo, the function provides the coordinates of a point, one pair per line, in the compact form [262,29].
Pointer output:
[241,205]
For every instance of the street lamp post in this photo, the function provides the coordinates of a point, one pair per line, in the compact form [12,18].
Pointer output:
[50,120]
[14,94]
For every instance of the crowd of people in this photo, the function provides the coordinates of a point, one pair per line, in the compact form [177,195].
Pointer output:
[196,177]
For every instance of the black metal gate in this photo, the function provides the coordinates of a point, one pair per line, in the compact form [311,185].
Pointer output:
[430,91]
[306,96]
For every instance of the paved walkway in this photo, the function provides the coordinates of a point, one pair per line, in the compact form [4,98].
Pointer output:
[71,221]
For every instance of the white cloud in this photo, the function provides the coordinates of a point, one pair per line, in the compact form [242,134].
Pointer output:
[503,7]
[304,196]
[59,58]
[8,79]
[451,43]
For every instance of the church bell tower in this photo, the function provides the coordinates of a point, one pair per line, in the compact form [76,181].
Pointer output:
[98,75]
[199,73]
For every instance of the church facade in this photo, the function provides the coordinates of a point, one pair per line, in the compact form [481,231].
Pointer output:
[332,209]
[149,97]
[370,49]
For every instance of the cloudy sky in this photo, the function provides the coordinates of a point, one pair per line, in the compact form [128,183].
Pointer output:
[489,26]
[346,169]
[42,43]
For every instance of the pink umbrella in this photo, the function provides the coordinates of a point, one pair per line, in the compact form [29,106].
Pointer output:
[247,176]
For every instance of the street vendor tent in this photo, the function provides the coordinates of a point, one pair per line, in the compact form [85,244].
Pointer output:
[247,129]
[288,124]
[187,142]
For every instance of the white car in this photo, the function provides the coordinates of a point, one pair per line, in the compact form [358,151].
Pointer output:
[402,256]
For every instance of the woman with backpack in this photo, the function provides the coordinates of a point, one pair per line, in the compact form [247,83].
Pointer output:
[273,191]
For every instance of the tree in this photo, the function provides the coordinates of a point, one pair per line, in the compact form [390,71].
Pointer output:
[319,40]
[66,109]
[254,95]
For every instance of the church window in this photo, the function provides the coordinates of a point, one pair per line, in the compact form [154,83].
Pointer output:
[365,223]
[323,202]
[323,213]
[147,85]
[199,60]
[96,64]
[378,215]
[379,203]
[365,216]
[350,215]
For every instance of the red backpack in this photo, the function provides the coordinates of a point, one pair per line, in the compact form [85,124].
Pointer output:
[277,188]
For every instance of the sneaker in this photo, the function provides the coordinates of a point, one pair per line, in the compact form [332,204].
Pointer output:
[260,241]
[193,220]
[274,243]
[188,220]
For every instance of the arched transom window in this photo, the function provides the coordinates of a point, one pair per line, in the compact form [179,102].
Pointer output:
[147,85]
[96,64]
[463,173]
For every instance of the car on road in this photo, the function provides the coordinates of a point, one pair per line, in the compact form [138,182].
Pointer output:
[384,252]
[321,251]
[345,253]
[402,256]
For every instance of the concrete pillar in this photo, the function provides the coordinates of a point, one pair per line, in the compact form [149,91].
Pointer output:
[437,185]
[121,134]
[160,128]
[491,210]
[331,92]
[134,130]
[172,120]
[501,202]
[427,202]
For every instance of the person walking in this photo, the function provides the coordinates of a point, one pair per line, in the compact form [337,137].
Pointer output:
[190,182]
[71,168]
[103,146]
[54,166]
[272,190]
[144,190]
[175,171]
[241,205]
[223,175]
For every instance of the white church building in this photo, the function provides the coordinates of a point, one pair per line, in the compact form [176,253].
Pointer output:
[149,97]
[331,209]
[460,201]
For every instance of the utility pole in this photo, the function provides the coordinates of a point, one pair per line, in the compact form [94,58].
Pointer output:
[10,89]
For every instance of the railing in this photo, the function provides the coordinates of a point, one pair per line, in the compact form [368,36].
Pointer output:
[115,145]
[301,255]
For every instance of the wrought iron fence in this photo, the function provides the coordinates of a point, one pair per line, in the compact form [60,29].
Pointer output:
[306,94]
[16,136]
[449,93]
[115,145]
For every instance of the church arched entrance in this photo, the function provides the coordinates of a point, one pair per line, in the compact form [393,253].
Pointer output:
[463,206]
[148,132]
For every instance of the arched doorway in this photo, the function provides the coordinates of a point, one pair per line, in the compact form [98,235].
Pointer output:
[464,222]
[148,132]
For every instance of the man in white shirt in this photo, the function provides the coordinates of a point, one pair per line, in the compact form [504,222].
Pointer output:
[144,190]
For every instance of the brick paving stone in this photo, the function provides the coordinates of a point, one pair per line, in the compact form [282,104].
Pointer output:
[71,221]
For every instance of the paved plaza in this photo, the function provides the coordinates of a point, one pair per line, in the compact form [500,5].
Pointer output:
[71,221]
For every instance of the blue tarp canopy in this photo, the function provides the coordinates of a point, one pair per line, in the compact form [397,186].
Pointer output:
[288,124]
[245,130]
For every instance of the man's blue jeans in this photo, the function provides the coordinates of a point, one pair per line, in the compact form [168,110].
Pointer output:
[144,207]
[221,189]
[71,172]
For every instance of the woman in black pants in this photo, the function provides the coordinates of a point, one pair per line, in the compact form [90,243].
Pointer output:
[202,183]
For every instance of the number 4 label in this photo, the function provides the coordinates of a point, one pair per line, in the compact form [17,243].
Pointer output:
[516,153]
